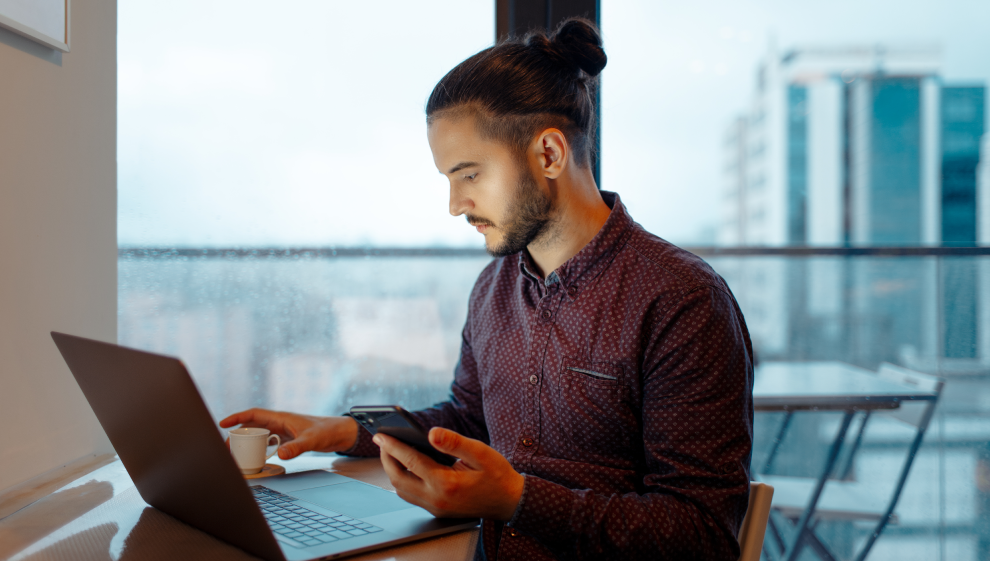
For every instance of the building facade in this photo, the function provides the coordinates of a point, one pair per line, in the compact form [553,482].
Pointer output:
[858,147]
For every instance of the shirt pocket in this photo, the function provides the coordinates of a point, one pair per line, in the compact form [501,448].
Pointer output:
[607,377]
[594,409]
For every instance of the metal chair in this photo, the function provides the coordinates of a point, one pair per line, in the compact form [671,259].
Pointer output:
[754,525]
[845,499]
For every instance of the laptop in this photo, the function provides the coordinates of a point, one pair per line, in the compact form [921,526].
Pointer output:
[167,440]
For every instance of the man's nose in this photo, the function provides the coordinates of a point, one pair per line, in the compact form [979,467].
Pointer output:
[459,203]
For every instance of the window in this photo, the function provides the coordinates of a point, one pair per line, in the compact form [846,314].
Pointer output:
[862,127]
[302,125]
[284,231]
[252,131]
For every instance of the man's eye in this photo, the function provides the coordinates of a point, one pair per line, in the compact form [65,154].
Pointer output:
[472,176]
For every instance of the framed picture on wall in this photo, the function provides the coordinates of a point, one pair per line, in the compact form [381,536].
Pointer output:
[44,21]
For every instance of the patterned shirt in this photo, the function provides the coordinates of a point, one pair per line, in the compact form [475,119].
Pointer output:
[621,388]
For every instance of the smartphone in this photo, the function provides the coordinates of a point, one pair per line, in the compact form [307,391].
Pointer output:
[398,423]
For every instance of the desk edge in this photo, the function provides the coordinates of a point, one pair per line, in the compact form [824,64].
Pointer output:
[28,492]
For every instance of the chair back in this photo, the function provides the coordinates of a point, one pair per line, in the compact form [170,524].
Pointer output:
[900,375]
[754,525]
[915,413]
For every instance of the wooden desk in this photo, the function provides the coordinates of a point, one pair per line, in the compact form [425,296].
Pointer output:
[102,516]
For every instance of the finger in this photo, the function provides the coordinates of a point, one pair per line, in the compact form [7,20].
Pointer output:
[274,428]
[413,460]
[261,418]
[470,451]
[230,421]
[410,488]
[291,449]
[397,473]
[251,415]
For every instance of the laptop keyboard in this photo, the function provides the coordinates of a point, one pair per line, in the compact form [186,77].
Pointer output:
[301,527]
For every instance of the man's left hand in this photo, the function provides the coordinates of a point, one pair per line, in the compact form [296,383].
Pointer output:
[482,484]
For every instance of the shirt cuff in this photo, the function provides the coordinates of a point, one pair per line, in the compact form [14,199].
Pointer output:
[544,510]
[363,446]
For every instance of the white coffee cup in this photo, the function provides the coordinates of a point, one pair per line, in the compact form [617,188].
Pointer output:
[248,446]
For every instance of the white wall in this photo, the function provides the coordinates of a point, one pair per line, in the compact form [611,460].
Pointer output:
[859,146]
[983,238]
[58,246]
[983,194]
[825,209]
[931,161]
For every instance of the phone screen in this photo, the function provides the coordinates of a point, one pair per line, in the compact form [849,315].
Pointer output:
[398,423]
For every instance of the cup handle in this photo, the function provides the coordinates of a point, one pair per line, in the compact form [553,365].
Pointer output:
[278,442]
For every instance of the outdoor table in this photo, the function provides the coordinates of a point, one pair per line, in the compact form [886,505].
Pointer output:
[825,386]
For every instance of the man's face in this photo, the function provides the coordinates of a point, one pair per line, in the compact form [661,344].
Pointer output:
[491,185]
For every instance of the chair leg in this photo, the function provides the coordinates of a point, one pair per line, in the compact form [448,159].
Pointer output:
[776,441]
[902,478]
[778,541]
[766,552]
[816,544]
[846,472]
[898,487]
[801,529]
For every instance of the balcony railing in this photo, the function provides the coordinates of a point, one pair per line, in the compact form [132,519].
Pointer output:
[319,329]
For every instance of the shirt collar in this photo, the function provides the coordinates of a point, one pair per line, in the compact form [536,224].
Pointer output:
[588,263]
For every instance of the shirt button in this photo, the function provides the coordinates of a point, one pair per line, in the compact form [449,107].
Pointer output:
[572,291]
[527,441]
[534,379]
[546,314]
[512,532]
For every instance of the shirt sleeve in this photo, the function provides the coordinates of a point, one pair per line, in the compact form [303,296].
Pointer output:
[462,412]
[697,439]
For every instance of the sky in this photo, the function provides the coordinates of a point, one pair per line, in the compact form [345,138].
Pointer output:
[301,123]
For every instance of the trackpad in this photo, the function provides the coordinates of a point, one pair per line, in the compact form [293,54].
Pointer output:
[355,499]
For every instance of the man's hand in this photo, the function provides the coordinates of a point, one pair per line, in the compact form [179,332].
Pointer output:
[482,484]
[299,433]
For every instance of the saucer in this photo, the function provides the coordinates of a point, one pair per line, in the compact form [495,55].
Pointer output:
[267,471]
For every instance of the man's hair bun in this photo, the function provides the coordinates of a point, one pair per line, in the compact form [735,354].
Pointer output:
[578,41]
[524,85]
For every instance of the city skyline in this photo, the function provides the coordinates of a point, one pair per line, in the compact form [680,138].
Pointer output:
[859,145]
[855,145]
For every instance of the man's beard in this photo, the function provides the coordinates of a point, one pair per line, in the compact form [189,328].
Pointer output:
[527,219]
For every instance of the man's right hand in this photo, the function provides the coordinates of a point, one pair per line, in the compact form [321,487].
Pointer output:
[299,433]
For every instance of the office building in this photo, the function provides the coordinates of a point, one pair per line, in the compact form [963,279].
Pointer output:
[857,146]
[983,194]
[962,129]
[852,133]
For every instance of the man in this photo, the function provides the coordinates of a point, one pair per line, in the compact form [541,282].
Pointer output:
[602,405]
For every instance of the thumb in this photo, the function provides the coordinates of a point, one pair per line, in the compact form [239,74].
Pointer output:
[469,450]
[294,448]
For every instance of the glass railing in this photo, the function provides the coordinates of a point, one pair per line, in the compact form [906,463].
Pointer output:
[308,331]
[924,309]
[319,330]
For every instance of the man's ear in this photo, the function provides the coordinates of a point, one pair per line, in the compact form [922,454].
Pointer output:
[553,151]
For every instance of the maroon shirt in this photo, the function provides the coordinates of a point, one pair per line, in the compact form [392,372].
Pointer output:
[621,387]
